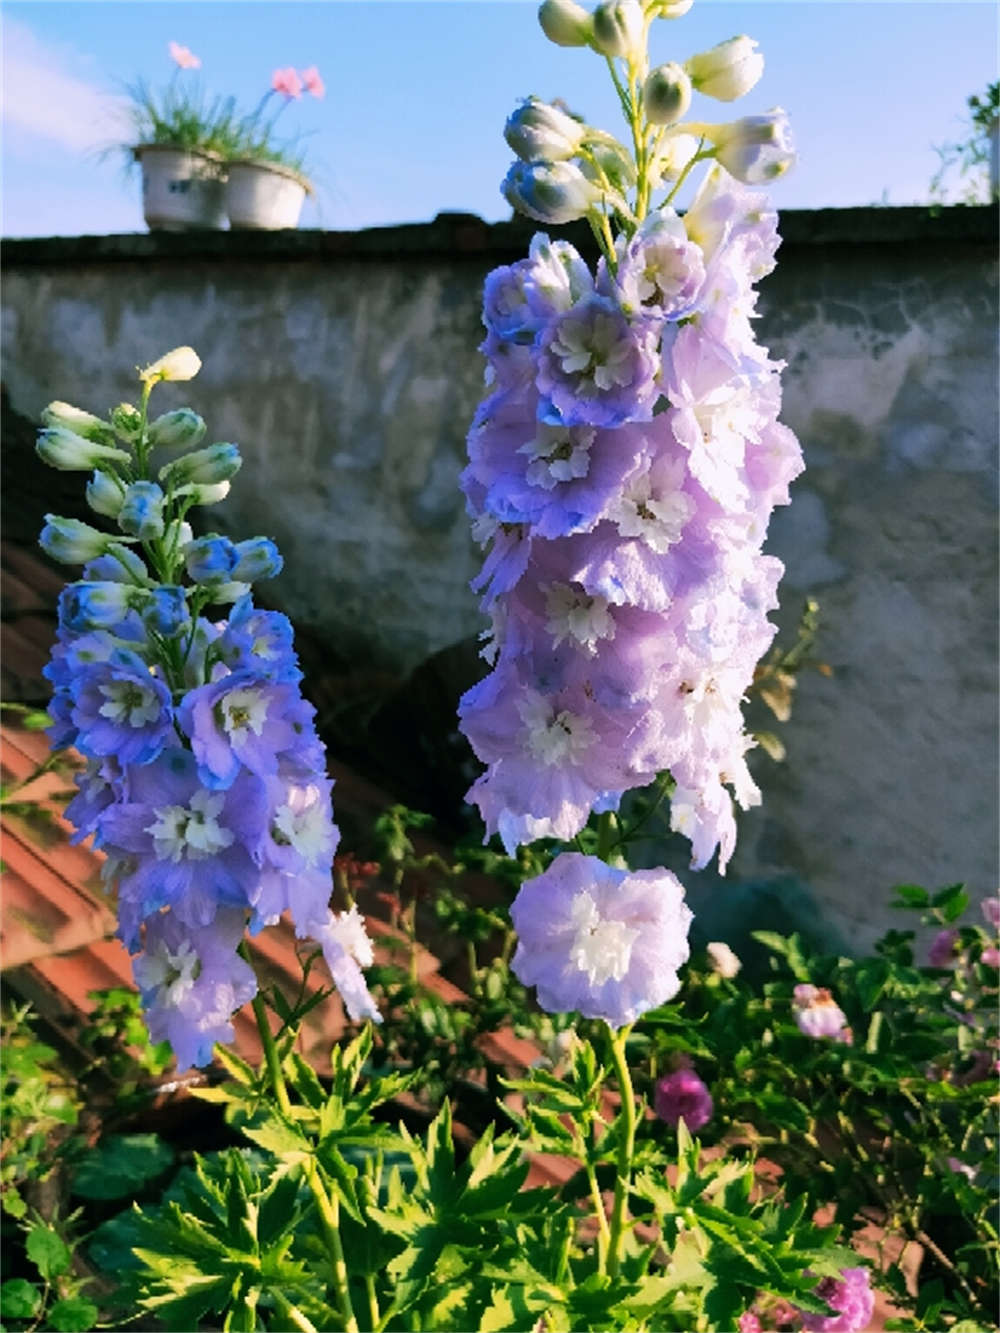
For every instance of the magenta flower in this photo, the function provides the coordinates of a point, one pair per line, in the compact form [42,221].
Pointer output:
[287,82]
[942,950]
[603,941]
[682,1096]
[748,1322]
[312,82]
[183,56]
[852,1299]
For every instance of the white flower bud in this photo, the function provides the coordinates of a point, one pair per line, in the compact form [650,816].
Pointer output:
[105,495]
[666,94]
[619,26]
[565,22]
[183,363]
[728,70]
[538,131]
[553,192]
[68,452]
[178,534]
[204,493]
[671,9]
[80,422]
[180,429]
[755,149]
[723,960]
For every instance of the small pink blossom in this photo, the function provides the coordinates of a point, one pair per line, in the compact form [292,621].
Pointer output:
[287,82]
[818,1015]
[748,1322]
[312,82]
[991,911]
[183,56]
[682,1096]
[942,950]
[990,956]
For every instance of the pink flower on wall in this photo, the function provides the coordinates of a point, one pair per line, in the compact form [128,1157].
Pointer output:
[287,82]
[312,82]
[183,56]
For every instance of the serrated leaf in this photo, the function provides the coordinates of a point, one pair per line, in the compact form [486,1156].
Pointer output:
[48,1252]
[73,1314]
[280,1138]
[236,1067]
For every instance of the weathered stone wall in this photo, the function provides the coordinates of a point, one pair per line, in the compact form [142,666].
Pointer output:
[345,367]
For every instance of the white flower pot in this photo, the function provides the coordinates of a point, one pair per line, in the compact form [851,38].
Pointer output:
[264,196]
[182,189]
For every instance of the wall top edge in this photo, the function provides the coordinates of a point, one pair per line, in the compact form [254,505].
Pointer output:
[464,235]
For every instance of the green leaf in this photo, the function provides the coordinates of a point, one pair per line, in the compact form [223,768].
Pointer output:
[910,895]
[19,1299]
[235,1067]
[13,1203]
[73,1315]
[48,1252]
[120,1165]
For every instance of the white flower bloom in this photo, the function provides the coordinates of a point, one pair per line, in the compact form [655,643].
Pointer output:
[183,363]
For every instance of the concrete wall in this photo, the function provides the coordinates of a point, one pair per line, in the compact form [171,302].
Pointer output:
[345,367]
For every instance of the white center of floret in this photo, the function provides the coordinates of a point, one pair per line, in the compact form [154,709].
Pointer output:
[557,453]
[659,521]
[193,830]
[596,351]
[555,737]
[303,824]
[600,948]
[573,614]
[129,703]
[242,711]
[172,973]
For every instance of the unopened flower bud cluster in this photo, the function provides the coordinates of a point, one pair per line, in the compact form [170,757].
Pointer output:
[205,782]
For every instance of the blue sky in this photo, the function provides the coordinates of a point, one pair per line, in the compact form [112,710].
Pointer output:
[417,93]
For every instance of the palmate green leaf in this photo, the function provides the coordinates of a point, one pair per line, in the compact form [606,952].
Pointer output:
[277,1136]
[511,1309]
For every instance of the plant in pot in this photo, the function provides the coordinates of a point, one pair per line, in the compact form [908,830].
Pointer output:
[182,141]
[266,185]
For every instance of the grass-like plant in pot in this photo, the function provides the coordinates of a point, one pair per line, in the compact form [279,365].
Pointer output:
[267,185]
[182,140]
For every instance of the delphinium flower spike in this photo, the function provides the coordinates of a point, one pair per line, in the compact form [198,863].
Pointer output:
[205,782]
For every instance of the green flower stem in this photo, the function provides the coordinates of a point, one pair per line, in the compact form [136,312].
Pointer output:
[291,1313]
[373,1310]
[327,1208]
[626,1148]
[603,1230]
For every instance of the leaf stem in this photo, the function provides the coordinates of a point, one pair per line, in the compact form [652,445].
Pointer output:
[626,1147]
[291,1312]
